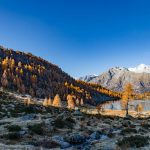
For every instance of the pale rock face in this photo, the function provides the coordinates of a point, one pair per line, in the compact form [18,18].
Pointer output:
[87,78]
[116,78]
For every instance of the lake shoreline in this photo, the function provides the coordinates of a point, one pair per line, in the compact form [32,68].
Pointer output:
[116,113]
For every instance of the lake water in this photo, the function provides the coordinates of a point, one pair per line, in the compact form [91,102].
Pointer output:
[118,105]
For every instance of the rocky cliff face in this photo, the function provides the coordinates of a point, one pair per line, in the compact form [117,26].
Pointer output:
[116,78]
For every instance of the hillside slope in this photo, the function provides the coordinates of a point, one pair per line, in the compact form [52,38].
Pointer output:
[26,73]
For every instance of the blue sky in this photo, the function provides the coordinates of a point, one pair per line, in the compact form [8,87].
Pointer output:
[81,36]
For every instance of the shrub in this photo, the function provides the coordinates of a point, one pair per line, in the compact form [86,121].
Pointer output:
[13,128]
[128,131]
[45,143]
[111,135]
[60,123]
[69,119]
[13,136]
[146,126]
[49,144]
[134,141]
[69,122]
[36,128]
[29,109]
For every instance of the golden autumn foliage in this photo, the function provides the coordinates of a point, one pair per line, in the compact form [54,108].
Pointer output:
[4,80]
[128,92]
[139,108]
[57,101]
[47,102]
[28,102]
[71,101]
[126,97]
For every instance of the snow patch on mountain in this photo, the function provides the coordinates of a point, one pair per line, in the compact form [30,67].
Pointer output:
[142,68]
[88,78]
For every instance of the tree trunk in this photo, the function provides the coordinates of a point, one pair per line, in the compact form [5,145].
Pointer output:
[127,110]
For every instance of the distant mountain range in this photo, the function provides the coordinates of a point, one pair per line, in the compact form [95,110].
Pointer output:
[116,78]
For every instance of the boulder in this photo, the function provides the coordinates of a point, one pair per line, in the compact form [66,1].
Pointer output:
[60,140]
[95,135]
[76,139]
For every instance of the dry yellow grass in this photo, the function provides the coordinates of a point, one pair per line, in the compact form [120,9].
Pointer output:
[120,113]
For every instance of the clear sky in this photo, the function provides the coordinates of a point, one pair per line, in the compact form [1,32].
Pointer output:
[81,36]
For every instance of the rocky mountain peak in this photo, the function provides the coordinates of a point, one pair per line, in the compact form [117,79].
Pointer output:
[116,78]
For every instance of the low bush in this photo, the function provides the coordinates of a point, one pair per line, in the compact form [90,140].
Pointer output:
[134,141]
[48,144]
[146,126]
[13,136]
[69,119]
[36,128]
[60,123]
[14,128]
[128,131]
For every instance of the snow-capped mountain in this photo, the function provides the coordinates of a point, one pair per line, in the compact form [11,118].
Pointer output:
[88,78]
[116,78]
[140,69]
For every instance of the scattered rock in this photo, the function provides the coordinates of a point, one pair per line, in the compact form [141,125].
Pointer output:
[60,141]
[28,117]
[76,139]
[22,133]
[95,135]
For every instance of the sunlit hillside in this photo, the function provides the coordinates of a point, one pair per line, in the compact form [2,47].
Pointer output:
[29,74]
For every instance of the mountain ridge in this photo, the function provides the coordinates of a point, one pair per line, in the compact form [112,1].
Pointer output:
[116,78]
